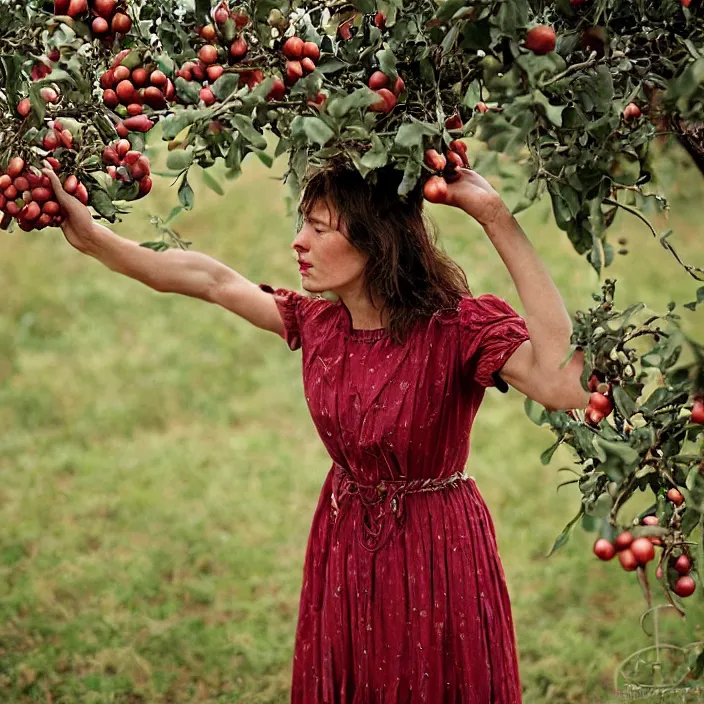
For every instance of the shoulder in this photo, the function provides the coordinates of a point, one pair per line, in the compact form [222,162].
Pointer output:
[484,309]
[471,310]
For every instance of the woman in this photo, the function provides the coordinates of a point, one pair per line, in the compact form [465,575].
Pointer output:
[404,597]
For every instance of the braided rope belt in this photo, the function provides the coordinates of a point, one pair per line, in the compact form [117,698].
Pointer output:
[383,499]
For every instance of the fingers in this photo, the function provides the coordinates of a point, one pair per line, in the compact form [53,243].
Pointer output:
[61,195]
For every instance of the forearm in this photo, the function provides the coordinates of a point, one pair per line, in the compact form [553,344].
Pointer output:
[171,271]
[546,316]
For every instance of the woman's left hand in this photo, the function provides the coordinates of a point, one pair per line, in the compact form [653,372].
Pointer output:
[475,195]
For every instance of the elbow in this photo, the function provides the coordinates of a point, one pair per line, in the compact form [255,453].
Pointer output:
[565,394]
[564,400]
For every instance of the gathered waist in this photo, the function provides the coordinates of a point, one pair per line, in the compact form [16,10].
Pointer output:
[382,499]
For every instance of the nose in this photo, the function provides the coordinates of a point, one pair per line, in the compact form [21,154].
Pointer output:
[300,241]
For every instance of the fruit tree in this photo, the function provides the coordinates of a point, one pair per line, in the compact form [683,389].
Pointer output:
[581,96]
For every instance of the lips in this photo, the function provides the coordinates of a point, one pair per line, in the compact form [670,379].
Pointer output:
[304,265]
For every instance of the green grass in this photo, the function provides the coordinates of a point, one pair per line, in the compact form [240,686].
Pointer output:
[159,469]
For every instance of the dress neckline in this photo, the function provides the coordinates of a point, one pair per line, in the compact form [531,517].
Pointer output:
[366,334]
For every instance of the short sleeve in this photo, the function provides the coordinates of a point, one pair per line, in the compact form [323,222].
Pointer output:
[490,332]
[287,302]
[297,313]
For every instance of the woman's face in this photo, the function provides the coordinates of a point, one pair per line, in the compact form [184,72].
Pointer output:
[337,265]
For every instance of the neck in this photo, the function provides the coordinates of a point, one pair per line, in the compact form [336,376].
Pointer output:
[365,314]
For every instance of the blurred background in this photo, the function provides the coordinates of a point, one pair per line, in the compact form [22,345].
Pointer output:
[159,469]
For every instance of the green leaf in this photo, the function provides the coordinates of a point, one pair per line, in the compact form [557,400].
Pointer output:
[185,193]
[225,86]
[246,129]
[229,30]
[187,91]
[212,183]
[552,112]
[179,159]
[377,156]
[387,62]
[128,191]
[535,411]
[156,246]
[365,6]
[56,76]
[591,523]
[546,455]
[512,16]
[411,134]
[233,160]
[102,203]
[174,124]
[314,129]
[625,404]
[360,98]
[565,534]
[450,38]
[202,11]
[38,104]
[472,95]
[411,174]
[448,8]
[331,66]
[265,158]
[176,210]
[166,64]
[12,77]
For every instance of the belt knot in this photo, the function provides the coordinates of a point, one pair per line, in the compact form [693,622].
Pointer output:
[382,500]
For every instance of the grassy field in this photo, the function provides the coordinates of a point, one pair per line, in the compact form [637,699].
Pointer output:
[159,469]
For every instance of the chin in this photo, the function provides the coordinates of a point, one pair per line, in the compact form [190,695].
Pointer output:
[311,287]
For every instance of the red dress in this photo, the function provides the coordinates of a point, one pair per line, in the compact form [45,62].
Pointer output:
[404,598]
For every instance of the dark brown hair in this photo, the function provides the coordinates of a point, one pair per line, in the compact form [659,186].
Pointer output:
[405,269]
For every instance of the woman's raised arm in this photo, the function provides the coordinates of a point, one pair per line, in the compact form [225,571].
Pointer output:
[173,271]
